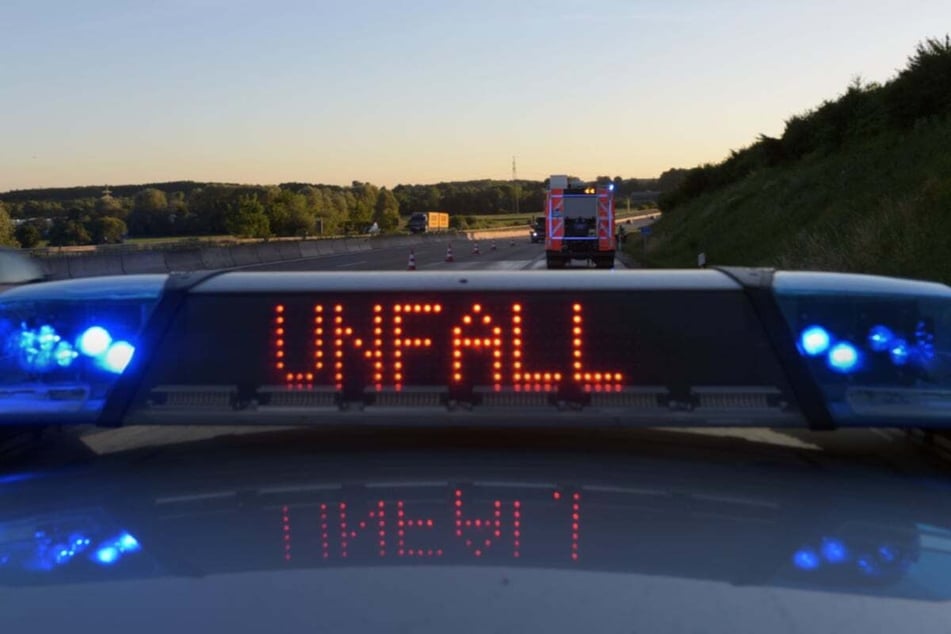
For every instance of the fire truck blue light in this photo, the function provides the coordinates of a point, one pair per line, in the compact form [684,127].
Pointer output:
[843,358]
[118,356]
[94,341]
[814,341]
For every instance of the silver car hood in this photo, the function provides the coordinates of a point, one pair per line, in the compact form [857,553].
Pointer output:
[303,531]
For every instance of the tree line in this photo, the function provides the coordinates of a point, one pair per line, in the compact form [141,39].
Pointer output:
[920,91]
[92,215]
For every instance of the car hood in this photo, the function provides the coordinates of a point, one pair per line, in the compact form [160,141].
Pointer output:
[297,531]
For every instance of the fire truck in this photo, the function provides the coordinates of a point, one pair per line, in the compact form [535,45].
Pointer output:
[580,223]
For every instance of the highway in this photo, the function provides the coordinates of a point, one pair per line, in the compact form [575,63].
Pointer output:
[508,254]
[502,254]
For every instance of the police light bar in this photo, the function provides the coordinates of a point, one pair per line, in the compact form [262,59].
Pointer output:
[727,347]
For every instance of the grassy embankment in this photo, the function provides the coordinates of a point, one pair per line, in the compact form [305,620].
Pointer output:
[881,206]
[861,183]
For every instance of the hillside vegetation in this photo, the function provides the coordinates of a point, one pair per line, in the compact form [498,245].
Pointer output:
[862,183]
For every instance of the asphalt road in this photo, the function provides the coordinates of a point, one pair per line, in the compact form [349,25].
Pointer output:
[503,254]
[518,254]
[494,255]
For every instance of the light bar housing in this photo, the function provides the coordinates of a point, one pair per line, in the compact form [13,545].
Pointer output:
[728,347]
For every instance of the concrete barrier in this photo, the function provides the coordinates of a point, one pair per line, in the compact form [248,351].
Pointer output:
[361,244]
[309,249]
[95,265]
[323,247]
[245,254]
[144,262]
[56,268]
[216,258]
[269,253]
[288,250]
[189,260]
[336,246]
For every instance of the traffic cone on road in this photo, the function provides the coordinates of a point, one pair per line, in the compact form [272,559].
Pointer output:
[411,265]
[475,249]
[511,243]
[449,257]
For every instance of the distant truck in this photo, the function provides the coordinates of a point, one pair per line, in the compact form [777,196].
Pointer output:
[538,230]
[580,223]
[425,221]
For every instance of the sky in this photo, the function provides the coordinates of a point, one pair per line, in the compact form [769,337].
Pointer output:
[420,91]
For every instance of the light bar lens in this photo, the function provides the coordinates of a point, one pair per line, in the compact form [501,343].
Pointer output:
[64,344]
[879,348]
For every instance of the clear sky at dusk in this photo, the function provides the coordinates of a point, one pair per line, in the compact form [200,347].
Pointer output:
[130,91]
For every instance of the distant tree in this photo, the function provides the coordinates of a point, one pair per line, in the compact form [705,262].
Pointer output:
[246,218]
[300,222]
[68,233]
[150,214]
[433,200]
[109,206]
[150,199]
[28,235]
[672,179]
[364,202]
[386,212]
[289,214]
[107,230]
[921,88]
[6,228]
[208,208]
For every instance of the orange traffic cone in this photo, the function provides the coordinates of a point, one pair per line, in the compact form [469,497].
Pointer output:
[449,257]
[475,248]
[411,266]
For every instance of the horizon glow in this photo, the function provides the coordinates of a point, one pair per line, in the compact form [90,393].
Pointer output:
[110,92]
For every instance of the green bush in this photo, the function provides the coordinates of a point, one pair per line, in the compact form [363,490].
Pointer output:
[876,206]
[921,92]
